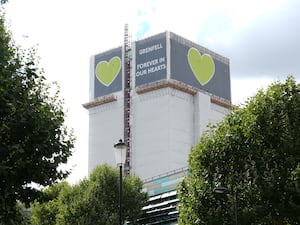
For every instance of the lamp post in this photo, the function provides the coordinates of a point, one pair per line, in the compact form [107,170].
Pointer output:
[120,155]
[223,190]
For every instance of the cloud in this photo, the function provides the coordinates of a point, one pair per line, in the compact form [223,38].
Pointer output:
[269,46]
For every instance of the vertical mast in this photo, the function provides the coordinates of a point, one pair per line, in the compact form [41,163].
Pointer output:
[127,99]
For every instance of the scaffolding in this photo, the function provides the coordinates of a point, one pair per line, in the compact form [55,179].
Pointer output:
[127,98]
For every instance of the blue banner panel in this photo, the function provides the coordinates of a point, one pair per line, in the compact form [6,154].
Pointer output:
[199,67]
[151,60]
[108,72]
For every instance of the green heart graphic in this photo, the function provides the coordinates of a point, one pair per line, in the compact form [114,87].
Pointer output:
[203,66]
[106,72]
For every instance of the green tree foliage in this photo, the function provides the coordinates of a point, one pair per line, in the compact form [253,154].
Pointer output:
[33,138]
[255,151]
[44,212]
[93,201]
[3,1]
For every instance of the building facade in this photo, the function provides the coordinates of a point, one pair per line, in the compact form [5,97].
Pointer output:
[159,94]
[177,87]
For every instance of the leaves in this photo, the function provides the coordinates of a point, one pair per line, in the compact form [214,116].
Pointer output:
[255,151]
[33,138]
[93,201]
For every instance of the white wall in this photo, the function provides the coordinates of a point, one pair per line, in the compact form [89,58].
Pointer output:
[105,129]
[165,124]
[161,131]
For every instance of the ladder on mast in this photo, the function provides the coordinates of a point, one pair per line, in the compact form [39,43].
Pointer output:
[127,99]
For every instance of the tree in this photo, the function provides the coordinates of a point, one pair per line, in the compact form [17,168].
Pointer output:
[254,151]
[3,1]
[33,138]
[93,201]
[44,211]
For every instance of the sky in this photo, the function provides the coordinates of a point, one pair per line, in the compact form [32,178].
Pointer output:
[260,38]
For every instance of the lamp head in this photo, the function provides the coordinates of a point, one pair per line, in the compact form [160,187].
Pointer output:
[120,149]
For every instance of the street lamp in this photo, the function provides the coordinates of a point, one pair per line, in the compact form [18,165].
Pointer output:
[120,149]
[223,190]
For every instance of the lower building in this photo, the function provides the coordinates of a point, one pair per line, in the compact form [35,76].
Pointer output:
[163,201]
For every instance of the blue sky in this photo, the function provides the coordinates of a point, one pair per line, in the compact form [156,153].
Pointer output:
[260,37]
